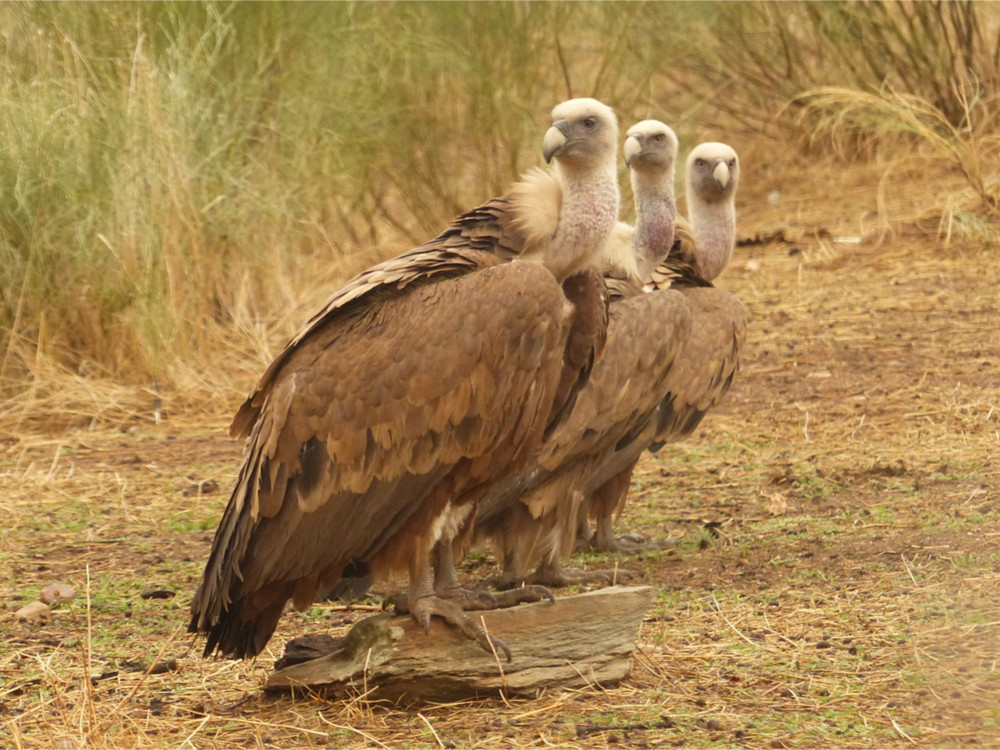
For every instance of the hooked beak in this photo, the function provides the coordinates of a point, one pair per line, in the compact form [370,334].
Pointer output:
[721,173]
[632,148]
[555,138]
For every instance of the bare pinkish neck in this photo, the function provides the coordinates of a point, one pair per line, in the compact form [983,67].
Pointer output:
[589,212]
[713,226]
[655,212]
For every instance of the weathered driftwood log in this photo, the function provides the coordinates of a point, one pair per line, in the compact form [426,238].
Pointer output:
[575,641]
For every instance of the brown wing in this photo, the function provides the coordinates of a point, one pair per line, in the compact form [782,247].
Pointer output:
[477,239]
[587,338]
[371,420]
[680,268]
[699,379]
[645,334]
[705,371]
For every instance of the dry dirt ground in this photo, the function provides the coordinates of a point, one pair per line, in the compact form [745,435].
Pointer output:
[834,580]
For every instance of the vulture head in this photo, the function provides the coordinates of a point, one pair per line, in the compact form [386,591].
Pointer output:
[651,146]
[584,134]
[713,174]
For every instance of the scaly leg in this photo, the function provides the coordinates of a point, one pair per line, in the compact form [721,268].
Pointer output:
[605,502]
[423,602]
[551,573]
[446,586]
[605,540]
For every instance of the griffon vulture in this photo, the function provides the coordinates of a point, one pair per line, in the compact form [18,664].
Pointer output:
[531,516]
[702,374]
[420,382]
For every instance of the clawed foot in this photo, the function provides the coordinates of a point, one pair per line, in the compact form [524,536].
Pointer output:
[562,577]
[534,587]
[461,600]
[604,540]
[425,607]
[632,544]
[522,595]
[470,600]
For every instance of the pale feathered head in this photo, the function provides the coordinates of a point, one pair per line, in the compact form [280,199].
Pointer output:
[584,134]
[565,216]
[713,172]
[650,145]
[650,152]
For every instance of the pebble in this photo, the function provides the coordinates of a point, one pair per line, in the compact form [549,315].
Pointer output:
[58,592]
[158,594]
[34,612]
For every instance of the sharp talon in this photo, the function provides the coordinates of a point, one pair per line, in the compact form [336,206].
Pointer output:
[500,646]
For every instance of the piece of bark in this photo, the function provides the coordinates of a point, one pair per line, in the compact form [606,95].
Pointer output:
[579,640]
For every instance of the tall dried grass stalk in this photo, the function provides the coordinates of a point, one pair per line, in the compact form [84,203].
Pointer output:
[770,53]
[973,147]
[181,180]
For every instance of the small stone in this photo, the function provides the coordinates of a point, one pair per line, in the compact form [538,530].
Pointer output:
[34,612]
[58,592]
[824,644]
[713,725]
[206,487]
[158,594]
[162,667]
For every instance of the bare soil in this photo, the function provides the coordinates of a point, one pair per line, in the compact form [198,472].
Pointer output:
[834,580]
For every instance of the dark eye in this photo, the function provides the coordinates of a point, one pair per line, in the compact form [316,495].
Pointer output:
[700,163]
[659,138]
[732,163]
[589,123]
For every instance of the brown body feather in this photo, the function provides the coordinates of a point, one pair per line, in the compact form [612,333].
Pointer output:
[704,372]
[372,422]
[532,513]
